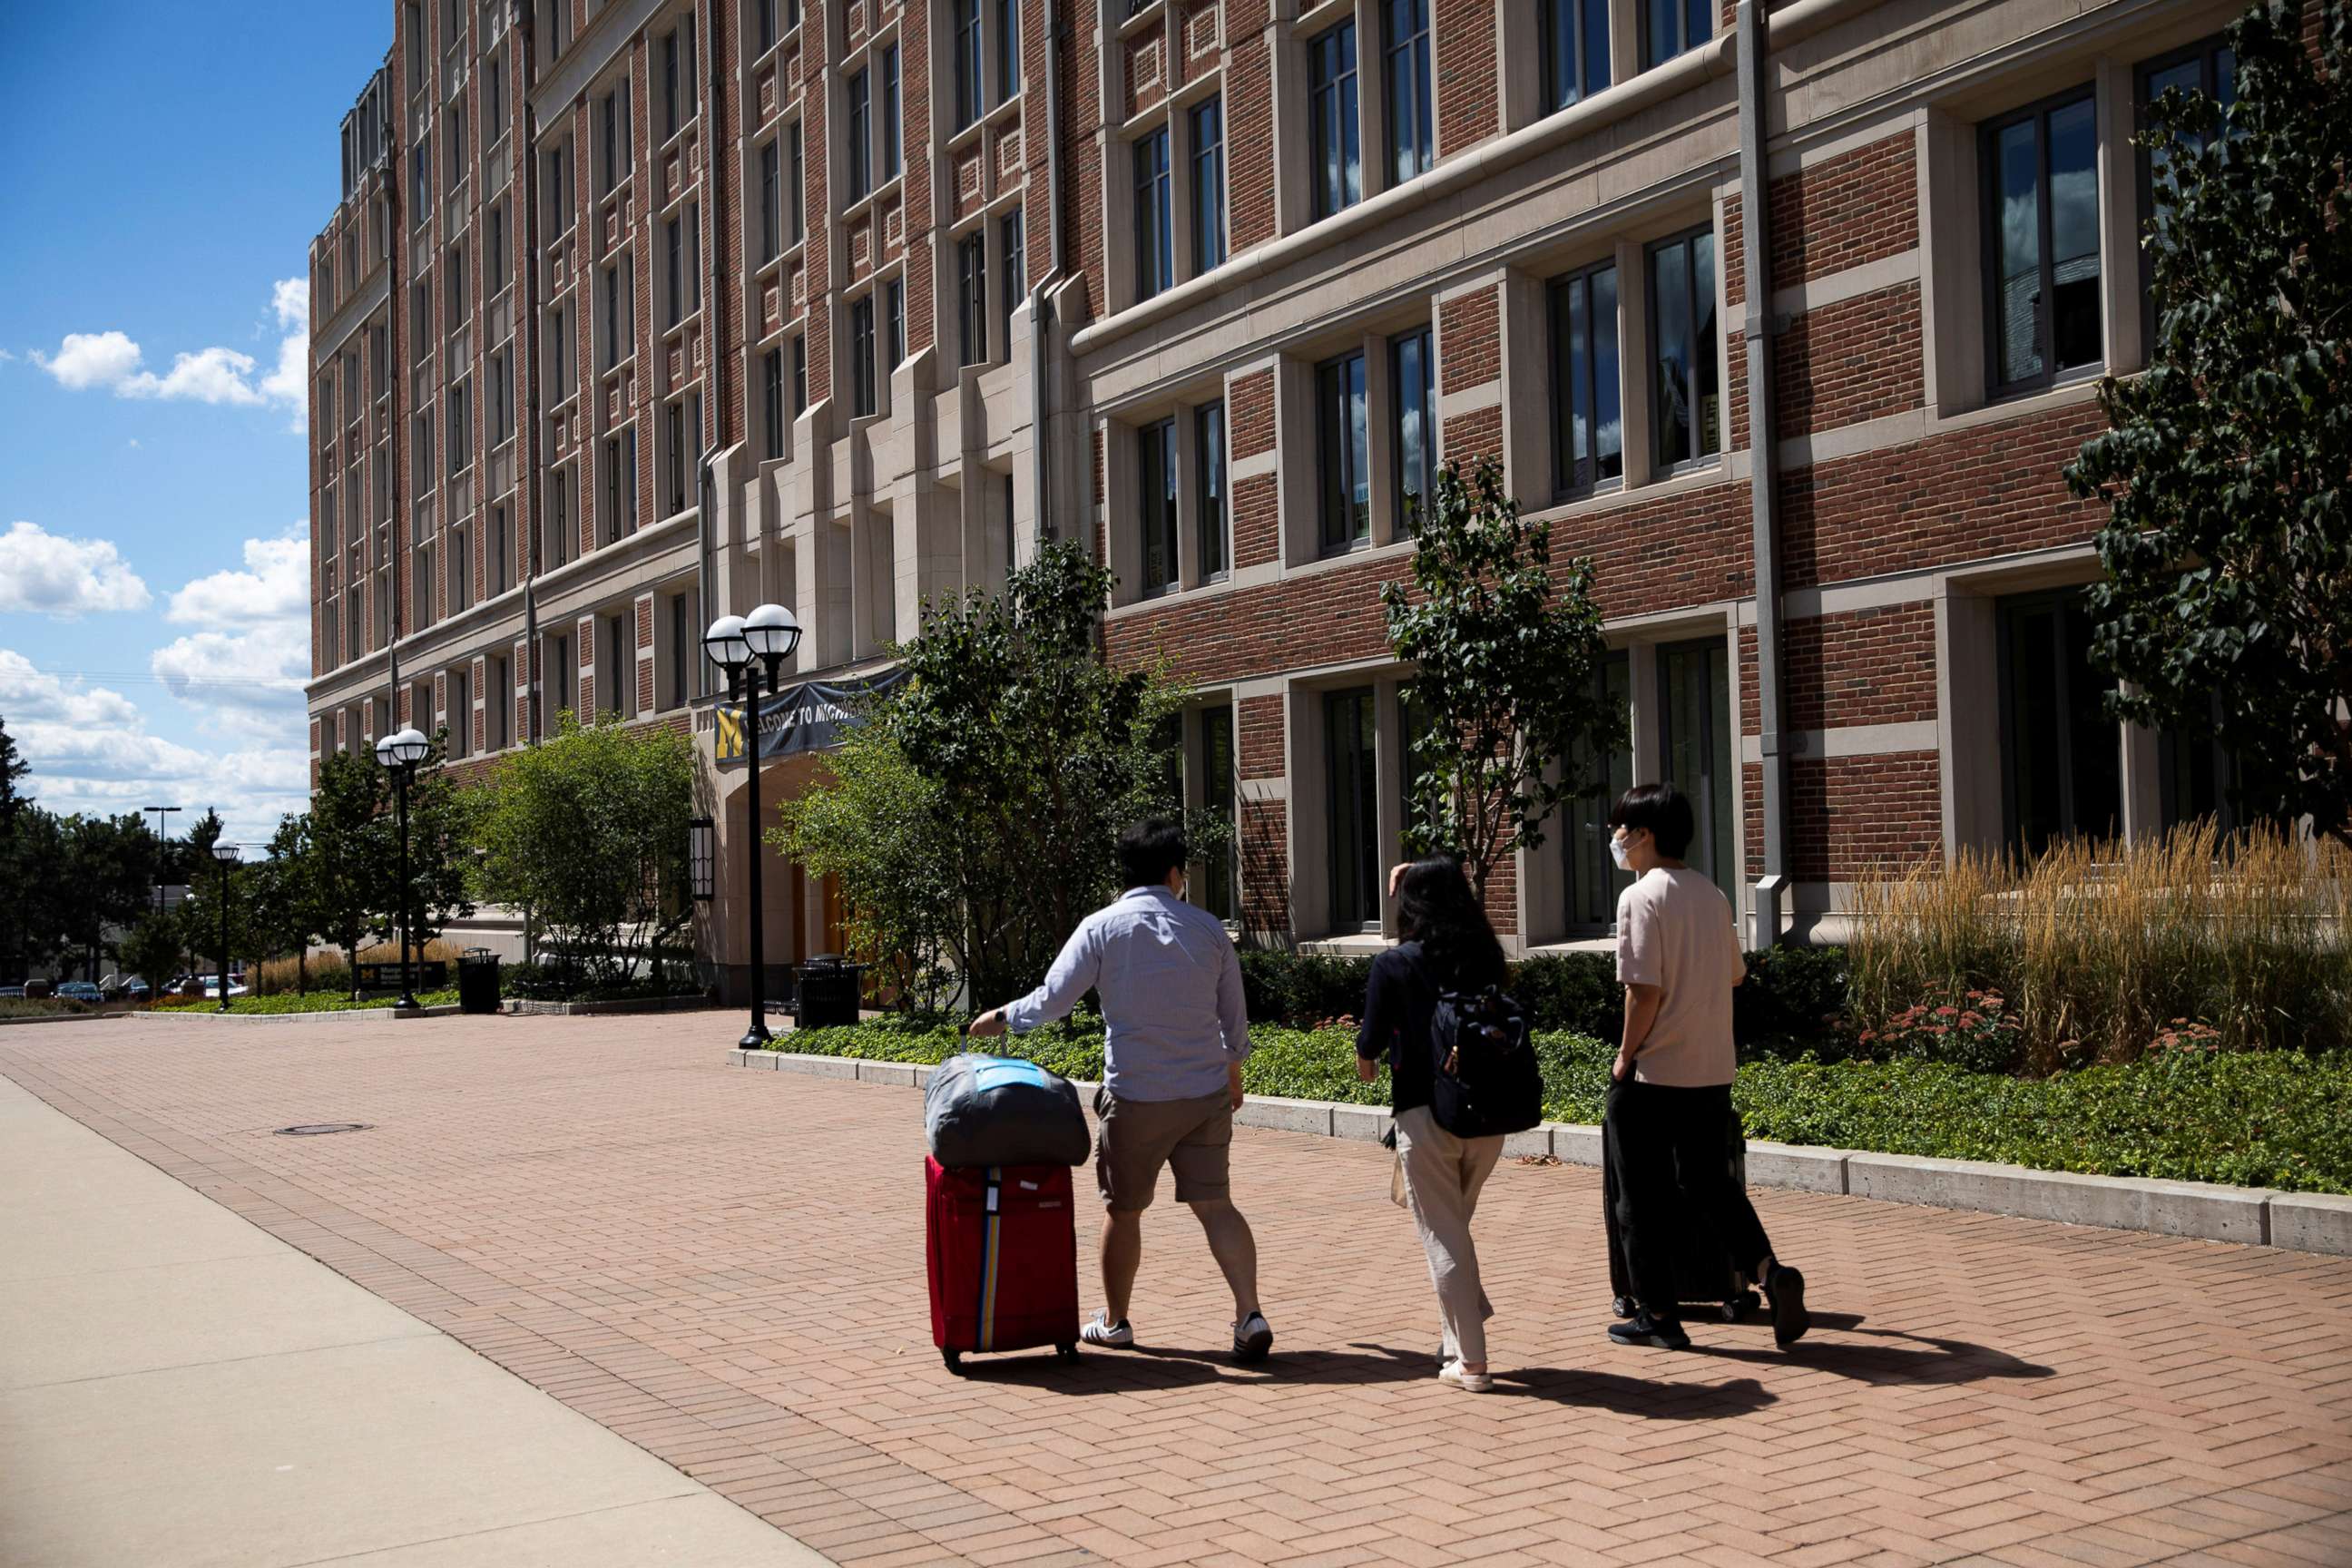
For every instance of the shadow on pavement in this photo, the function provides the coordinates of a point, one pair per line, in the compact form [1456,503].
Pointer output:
[1939,1362]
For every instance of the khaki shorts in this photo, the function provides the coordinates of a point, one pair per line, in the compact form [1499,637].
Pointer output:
[1192,1137]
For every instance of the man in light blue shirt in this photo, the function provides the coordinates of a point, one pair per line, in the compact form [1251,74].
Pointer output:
[1176,1035]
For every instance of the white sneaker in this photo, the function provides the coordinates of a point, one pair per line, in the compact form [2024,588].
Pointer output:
[1101,1331]
[1467,1381]
[1252,1338]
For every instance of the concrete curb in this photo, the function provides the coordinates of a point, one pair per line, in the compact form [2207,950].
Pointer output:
[2300,1222]
[338,1015]
[523,1007]
[55,1019]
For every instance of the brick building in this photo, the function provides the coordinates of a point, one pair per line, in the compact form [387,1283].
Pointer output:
[638,309]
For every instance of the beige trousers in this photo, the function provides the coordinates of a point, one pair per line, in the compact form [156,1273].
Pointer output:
[1443,1176]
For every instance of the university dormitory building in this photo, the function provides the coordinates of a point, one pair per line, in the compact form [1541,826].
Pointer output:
[634,312]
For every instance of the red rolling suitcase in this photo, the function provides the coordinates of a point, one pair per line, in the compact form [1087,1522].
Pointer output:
[1003,1246]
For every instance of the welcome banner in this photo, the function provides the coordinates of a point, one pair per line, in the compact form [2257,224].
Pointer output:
[810,717]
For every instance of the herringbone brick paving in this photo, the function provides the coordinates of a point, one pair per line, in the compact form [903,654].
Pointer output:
[727,1268]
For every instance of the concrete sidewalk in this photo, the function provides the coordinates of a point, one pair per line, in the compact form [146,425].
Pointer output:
[179,1387]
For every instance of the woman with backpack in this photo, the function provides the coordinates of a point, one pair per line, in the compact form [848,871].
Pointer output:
[1448,952]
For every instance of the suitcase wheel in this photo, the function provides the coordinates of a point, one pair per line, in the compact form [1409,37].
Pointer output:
[1624,1306]
[1067,1350]
[954,1360]
[1732,1309]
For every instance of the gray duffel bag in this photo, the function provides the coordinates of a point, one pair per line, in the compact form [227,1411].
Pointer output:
[999,1111]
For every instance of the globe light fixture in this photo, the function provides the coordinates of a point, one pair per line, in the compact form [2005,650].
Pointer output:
[400,752]
[225,857]
[742,645]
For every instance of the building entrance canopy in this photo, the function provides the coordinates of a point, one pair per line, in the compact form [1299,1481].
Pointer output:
[810,717]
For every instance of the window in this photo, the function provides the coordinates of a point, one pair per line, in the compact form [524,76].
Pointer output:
[892,129]
[453,277]
[1220,887]
[861,132]
[1156,496]
[1331,103]
[420,179]
[766,27]
[501,552]
[629,476]
[494,266]
[1352,779]
[971,297]
[1413,143]
[1576,51]
[1588,426]
[1413,389]
[677,78]
[1208,142]
[694,256]
[461,427]
[795,206]
[1012,282]
[559,189]
[612,490]
[494,100]
[2061,755]
[616,694]
[674,253]
[1008,48]
[771,215]
[1155,262]
[2041,228]
[1209,488]
[966,27]
[560,352]
[861,357]
[461,710]
[566,671]
[771,377]
[453,142]
[800,376]
[675,414]
[894,301]
[461,577]
[498,704]
[613,148]
[2210,68]
[1695,739]
[684,653]
[1687,397]
[501,411]
[1670,27]
[558,507]
[1342,454]
[1593,880]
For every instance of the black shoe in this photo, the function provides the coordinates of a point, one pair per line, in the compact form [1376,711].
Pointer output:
[1786,1289]
[1642,1329]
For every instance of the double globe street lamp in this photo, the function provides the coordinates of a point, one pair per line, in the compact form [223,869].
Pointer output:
[225,855]
[769,635]
[400,752]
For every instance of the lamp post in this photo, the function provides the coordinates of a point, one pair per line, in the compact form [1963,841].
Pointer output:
[401,752]
[768,634]
[224,856]
[159,813]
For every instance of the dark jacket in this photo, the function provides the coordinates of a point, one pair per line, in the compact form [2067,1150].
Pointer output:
[1400,1004]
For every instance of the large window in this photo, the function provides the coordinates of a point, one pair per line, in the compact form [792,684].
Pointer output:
[1013,279]
[1576,51]
[677,76]
[893,301]
[2062,756]
[2040,172]
[1343,454]
[892,131]
[1412,391]
[614,141]
[971,297]
[770,204]
[1413,138]
[677,441]
[771,382]
[1688,397]
[1670,27]
[965,26]
[1593,880]
[1588,426]
[1213,525]
[1353,783]
[861,135]
[1155,482]
[1155,245]
[861,357]
[795,172]
[674,270]
[2210,68]
[1331,107]
[1008,48]
[1220,887]
[1696,737]
[1208,144]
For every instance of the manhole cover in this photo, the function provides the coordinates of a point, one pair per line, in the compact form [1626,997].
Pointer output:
[320,1129]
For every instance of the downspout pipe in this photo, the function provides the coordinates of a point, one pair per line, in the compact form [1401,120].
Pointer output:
[535,720]
[714,310]
[1040,310]
[1771,889]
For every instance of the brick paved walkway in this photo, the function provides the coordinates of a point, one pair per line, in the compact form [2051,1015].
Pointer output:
[726,1268]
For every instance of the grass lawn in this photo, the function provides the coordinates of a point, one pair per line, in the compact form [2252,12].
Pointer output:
[313,1002]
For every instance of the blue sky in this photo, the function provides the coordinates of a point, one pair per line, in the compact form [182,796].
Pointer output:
[163,167]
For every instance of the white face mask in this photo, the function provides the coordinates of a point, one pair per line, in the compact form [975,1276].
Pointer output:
[1617,853]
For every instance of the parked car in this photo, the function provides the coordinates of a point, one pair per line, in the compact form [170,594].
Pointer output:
[212,986]
[37,987]
[135,988]
[12,992]
[80,991]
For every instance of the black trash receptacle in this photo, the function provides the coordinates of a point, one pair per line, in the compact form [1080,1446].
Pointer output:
[477,981]
[828,992]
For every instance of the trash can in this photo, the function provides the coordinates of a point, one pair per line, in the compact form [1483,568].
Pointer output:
[828,992]
[477,981]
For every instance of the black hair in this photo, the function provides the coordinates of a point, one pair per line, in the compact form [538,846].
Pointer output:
[1436,908]
[1151,850]
[1663,809]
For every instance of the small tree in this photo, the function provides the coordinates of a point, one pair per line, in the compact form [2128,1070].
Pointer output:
[589,830]
[1506,674]
[13,806]
[285,911]
[2227,546]
[351,852]
[155,947]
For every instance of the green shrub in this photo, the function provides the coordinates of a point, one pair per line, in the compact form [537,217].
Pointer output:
[288,1002]
[1573,991]
[1302,989]
[1793,1000]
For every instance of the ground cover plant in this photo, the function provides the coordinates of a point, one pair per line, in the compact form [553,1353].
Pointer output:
[285,1002]
[2183,1111]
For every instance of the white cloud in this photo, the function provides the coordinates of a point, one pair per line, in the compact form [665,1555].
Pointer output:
[247,663]
[90,359]
[31,695]
[210,376]
[291,298]
[46,574]
[274,586]
[5,357]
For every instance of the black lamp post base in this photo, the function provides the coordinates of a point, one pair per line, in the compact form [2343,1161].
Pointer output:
[755,1039]
[407,1004]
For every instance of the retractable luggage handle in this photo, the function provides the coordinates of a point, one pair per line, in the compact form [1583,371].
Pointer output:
[984,1323]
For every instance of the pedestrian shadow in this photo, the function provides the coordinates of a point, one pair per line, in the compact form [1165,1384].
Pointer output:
[1898,1357]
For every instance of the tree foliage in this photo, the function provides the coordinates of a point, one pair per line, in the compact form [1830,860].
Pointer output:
[440,852]
[351,852]
[1507,664]
[2228,548]
[589,831]
[992,789]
